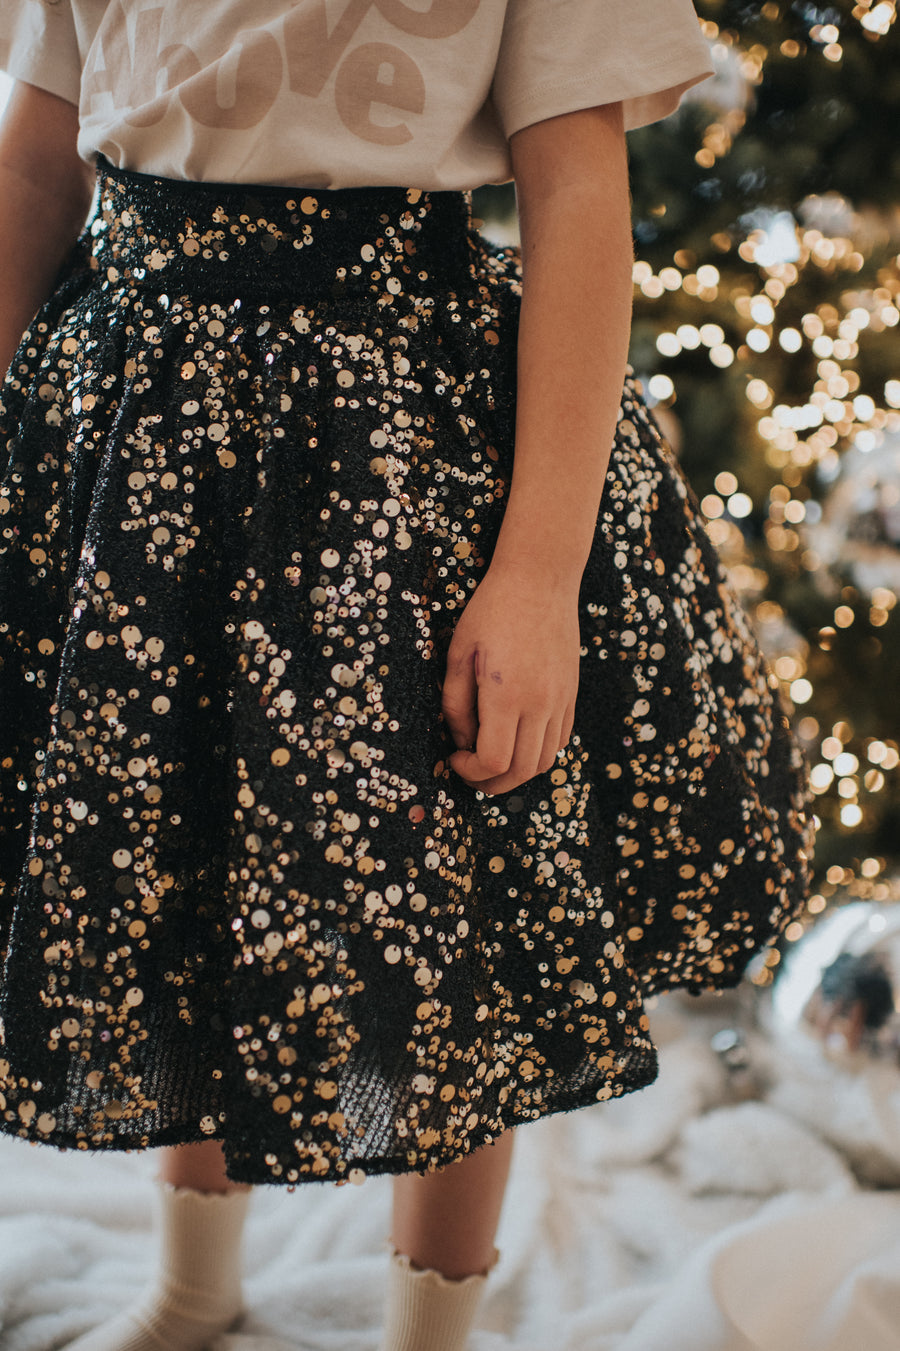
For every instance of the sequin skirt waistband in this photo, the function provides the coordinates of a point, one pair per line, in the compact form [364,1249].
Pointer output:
[176,235]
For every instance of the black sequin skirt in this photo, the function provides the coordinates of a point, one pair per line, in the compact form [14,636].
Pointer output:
[255,452]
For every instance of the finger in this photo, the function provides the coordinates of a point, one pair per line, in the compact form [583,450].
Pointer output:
[535,752]
[524,754]
[493,753]
[568,725]
[550,747]
[459,699]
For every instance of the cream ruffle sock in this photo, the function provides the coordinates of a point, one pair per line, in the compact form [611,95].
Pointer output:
[197,1292]
[426,1311]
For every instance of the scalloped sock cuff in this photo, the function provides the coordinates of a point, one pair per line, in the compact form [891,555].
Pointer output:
[426,1311]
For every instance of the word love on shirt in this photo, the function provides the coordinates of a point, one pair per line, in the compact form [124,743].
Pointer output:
[230,80]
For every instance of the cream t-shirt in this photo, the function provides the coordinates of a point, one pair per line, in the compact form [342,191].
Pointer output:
[344,93]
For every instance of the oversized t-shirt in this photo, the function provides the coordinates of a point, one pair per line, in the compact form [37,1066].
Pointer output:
[344,93]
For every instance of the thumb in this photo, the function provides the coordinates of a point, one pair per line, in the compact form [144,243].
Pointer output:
[459,700]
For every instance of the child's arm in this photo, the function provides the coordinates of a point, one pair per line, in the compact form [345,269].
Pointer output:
[45,193]
[512,669]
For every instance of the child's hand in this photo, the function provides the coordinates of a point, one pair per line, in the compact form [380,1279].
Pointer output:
[511,682]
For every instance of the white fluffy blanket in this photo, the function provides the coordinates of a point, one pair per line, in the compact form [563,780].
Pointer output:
[674,1220]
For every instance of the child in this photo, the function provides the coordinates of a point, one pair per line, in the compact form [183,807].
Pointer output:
[314,865]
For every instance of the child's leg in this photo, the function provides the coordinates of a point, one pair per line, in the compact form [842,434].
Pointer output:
[443,1233]
[447,1220]
[200,1167]
[196,1291]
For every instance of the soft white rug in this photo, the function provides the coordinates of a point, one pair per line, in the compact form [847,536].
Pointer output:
[674,1220]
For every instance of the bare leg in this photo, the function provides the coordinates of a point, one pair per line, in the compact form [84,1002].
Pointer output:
[443,1233]
[200,1167]
[447,1221]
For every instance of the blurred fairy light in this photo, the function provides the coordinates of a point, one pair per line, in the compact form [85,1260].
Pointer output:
[740,505]
[879,19]
[660,388]
[790,310]
[827,34]
[688,336]
[708,276]
[776,239]
[881,754]
[759,393]
[761,310]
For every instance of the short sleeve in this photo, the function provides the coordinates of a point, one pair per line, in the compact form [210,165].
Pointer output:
[557,56]
[38,44]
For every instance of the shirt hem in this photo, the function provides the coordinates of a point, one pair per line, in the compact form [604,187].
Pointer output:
[51,81]
[648,102]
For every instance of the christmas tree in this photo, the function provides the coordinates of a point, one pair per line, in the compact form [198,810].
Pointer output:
[766,331]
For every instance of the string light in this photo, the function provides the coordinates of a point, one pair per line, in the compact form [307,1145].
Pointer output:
[791,313]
